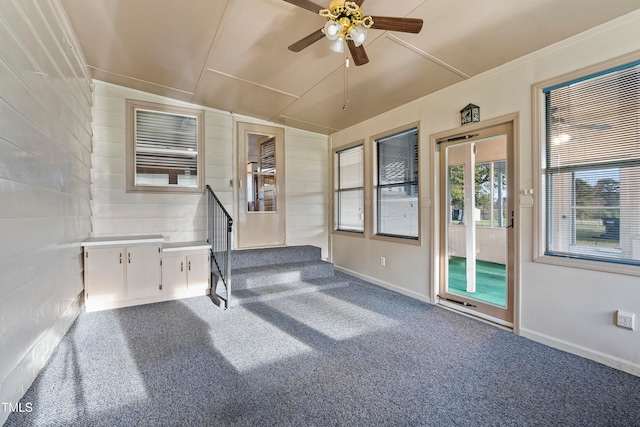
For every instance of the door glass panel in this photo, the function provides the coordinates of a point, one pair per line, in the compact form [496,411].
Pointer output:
[482,212]
[499,193]
[261,173]
[476,229]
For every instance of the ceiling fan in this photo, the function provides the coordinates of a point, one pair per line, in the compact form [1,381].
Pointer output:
[347,24]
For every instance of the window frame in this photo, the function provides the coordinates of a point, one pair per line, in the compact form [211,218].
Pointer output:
[336,189]
[132,106]
[539,190]
[375,234]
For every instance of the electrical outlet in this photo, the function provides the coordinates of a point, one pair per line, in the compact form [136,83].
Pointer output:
[383,261]
[625,320]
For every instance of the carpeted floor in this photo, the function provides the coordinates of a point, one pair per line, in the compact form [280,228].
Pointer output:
[356,355]
[491,283]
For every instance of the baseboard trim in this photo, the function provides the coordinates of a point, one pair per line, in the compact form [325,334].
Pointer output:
[383,284]
[596,356]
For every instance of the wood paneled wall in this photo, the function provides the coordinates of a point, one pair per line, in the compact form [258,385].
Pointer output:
[307,198]
[45,162]
[181,217]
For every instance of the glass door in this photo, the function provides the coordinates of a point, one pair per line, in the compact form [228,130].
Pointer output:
[260,186]
[477,225]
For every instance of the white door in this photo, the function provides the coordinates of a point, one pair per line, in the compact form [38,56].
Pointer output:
[198,273]
[143,271]
[104,275]
[174,274]
[477,223]
[261,186]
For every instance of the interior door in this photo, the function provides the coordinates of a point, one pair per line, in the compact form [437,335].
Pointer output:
[477,223]
[261,186]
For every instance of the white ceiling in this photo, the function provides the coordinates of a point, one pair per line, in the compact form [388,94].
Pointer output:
[232,54]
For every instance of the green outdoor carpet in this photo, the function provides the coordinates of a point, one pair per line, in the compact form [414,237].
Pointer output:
[490,281]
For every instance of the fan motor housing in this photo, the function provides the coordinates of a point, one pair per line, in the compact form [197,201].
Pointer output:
[341,9]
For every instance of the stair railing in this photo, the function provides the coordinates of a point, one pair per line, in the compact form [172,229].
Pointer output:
[220,225]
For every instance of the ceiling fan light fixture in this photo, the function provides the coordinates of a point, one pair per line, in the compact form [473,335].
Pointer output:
[332,30]
[337,45]
[358,35]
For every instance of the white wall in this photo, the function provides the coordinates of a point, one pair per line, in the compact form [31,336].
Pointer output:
[307,197]
[181,217]
[45,143]
[564,307]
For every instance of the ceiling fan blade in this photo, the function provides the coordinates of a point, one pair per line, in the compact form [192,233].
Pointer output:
[358,53]
[306,4]
[405,25]
[307,41]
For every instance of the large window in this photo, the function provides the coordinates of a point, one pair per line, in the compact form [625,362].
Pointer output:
[396,185]
[349,189]
[591,167]
[164,148]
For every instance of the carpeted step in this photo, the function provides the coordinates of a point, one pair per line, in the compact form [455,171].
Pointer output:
[268,256]
[283,290]
[265,275]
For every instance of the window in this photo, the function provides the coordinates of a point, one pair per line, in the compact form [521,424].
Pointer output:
[164,152]
[396,185]
[349,189]
[591,167]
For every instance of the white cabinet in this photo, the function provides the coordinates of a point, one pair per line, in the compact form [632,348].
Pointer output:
[104,281]
[186,269]
[125,271]
[119,272]
[142,270]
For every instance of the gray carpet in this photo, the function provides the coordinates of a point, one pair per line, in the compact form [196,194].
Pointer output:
[353,355]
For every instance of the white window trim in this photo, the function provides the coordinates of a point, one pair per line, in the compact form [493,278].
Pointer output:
[131,106]
[538,143]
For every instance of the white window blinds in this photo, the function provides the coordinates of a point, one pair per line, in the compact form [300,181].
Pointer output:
[166,148]
[396,193]
[349,196]
[592,167]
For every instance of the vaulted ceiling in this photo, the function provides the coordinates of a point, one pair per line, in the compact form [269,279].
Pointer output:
[232,55]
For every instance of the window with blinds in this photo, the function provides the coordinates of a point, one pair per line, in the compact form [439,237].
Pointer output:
[165,148]
[349,189]
[591,167]
[396,185]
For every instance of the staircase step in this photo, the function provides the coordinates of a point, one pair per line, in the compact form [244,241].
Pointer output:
[268,256]
[265,275]
[284,290]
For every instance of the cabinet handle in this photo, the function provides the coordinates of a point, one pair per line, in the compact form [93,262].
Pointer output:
[189,265]
[181,265]
[129,257]
[120,257]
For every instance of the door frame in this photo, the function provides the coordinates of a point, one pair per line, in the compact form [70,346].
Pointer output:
[279,215]
[436,208]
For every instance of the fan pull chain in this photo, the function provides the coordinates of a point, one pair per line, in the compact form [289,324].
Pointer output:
[346,81]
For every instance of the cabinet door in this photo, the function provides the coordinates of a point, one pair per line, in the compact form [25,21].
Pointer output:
[174,274]
[104,275]
[198,271]
[143,271]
